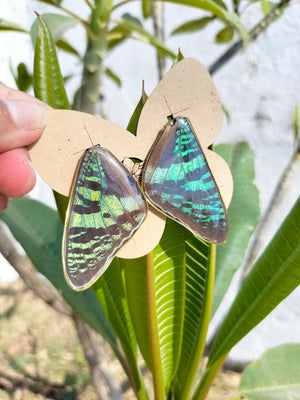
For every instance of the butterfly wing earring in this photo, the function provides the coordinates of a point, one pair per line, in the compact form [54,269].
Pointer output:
[177,180]
[105,209]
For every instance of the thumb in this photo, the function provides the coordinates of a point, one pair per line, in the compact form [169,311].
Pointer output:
[21,123]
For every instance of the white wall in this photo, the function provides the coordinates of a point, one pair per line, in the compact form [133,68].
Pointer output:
[259,87]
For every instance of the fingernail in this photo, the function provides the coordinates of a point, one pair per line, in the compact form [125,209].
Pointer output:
[27,115]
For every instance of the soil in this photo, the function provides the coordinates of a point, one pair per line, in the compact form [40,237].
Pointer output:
[41,357]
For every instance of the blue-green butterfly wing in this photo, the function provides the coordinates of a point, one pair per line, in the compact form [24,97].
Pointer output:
[177,181]
[105,208]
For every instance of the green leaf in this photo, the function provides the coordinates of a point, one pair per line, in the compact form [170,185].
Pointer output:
[129,28]
[23,78]
[221,4]
[52,2]
[64,45]
[130,18]
[168,303]
[48,85]
[136,294]
[180,265]
[110,291]
[193,26]
[179,57]
[113,76]
[132,124]
[119,33]
[266,6]
[58,24]
[243,215]
[10,26]
[274,276]
[62,205]
[200,267]
[296,123]
[39,231]
[226,113]
[48,81]
[274,376]
[146,8]
[116,36]
[219,11]
[225,35]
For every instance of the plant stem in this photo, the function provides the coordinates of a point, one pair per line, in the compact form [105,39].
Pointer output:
[90,92]
[153,332]
[275,12]
[207,379]
[91,5]
[157,11]
[204,322]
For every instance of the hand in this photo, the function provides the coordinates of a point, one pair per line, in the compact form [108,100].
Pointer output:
[22,120]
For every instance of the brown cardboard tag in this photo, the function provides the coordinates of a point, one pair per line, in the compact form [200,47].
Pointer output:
[186,90]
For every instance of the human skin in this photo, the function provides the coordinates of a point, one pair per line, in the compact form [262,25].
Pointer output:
[22,121]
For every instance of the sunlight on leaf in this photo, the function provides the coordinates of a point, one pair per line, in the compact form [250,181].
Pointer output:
[169,277]
[48,81]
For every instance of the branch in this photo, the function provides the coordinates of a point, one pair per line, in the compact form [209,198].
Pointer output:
[269,215]
[33,279]
[90,5]
[94,351]
[275,13]
[11,385]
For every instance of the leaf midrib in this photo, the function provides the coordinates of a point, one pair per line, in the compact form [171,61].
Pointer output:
[267,389]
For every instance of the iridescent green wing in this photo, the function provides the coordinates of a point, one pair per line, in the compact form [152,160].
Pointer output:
[177,181]
[106,207]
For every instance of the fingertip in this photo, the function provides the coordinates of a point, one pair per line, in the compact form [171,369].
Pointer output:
[17,176]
